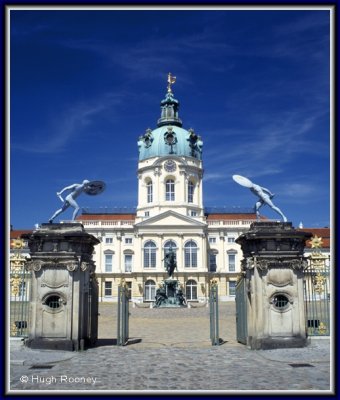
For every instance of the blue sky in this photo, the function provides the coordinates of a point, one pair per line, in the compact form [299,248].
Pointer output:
[255,84]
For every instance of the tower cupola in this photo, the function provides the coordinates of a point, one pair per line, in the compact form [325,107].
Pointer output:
[169,138]
[170,169]
[169,107]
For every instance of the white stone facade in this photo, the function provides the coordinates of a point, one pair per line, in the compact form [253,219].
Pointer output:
[170,213]
[134,251]
[123,239]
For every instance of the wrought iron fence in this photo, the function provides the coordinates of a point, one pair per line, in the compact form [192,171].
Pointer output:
[20,287]
[241,311]
[93,299]
[317,295]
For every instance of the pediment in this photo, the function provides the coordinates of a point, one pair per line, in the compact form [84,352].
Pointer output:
[170,218]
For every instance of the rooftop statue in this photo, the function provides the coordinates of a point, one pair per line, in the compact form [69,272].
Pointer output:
[265,195]
[171,81]
[91,188]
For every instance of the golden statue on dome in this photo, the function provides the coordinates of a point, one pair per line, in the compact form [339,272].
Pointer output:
[171,81]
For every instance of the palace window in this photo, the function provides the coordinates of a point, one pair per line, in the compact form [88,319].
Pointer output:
[232,260]
[149,290]
[232,288]
[108,289]
[108,262]
[149,255]
[108,240]
[190,254]
[191,188]
[191,290]
[149,188]
[128,262]
[128,240]
[170,190]
[212,262]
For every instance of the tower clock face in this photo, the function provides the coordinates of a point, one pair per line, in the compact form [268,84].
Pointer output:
[170,166]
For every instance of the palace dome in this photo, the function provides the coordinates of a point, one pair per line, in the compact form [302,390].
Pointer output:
[169,138]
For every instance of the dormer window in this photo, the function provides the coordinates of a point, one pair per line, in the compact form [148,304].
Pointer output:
[170,139]
[148,139]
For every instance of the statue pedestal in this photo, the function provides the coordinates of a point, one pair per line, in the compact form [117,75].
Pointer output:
[273,297]
[64,303]
[173,295]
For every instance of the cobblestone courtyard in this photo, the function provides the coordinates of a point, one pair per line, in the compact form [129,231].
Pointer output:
[169,327]
[170,351]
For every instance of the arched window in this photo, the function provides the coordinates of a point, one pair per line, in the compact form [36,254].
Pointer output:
[170,190]
[149,290]
[191,290]
[170,244]
[149,188]
[191,188]
[149,255]
[190,254]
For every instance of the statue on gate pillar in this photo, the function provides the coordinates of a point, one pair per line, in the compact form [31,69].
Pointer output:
[265,195]
[75,190]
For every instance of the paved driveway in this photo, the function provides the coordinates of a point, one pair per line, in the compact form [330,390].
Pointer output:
[170,352]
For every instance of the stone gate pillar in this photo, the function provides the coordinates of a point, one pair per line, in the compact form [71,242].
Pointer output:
[273,266]
[64,302]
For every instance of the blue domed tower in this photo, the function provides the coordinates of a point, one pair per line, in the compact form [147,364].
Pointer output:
[170,165]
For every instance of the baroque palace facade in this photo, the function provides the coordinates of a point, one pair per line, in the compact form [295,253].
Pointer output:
[170,215]
[134,252]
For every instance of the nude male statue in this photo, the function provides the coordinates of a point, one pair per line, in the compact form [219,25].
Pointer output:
[264,195]
[76,189]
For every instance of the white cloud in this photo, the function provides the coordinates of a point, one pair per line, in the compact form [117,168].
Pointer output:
[69,126]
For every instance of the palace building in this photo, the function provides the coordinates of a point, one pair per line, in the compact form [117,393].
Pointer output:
[170,214]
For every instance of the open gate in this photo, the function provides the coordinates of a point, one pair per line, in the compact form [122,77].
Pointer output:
[214,317]
[123,316]
[241,311]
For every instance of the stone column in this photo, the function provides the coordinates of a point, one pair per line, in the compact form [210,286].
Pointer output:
[64,303]
[272,267]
